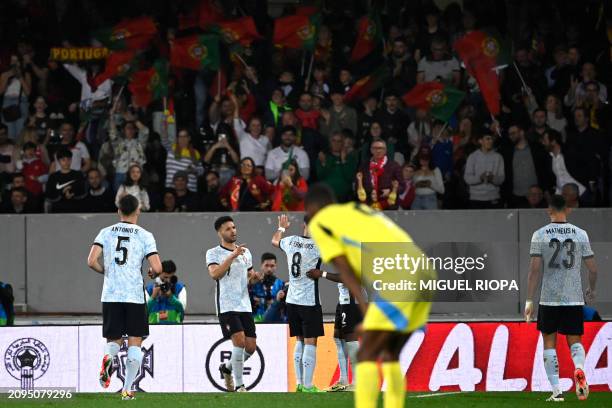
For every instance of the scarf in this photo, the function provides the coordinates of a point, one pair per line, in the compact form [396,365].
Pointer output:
[377,168]
[235,193]
[308,119]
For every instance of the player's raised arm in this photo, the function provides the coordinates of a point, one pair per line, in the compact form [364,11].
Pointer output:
[92,259]
[283,224]
[217,271]
[349,279]
[535,270]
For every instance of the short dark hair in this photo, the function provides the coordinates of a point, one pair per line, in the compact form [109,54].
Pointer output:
[29,145]
[128,204]
[168,266]
[222,220]
[267,256]
[289,128]
[553,136]
[21,190]
[320,194]
[536,110]
[64,153]
[557,202]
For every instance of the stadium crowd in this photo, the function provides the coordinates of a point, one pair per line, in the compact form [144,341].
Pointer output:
[254,134]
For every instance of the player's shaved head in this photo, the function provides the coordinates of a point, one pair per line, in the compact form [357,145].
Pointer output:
[319,196]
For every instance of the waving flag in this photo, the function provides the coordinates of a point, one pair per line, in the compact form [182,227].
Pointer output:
[368,84]
[297,31]
[119,65]
[368,37]
[241,31]
[150,85]
[435,97]
[195,52]
[135,34]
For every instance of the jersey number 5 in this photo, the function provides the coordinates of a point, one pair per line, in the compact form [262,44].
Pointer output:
[122,249]
[296,262]
[570,246]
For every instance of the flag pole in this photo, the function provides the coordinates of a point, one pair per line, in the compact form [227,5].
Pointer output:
[241,60]
[442,130]
[118,96]
[521,78]
[303,63]
[307,82]
[498,130]
[219,83]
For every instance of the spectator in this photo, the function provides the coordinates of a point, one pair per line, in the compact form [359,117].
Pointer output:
[374,179]
[552,142]
[186,201]
[554,115]
[337,168]
[535,197]
[247,192]
[339,116]
[275,108]
[65,187]
[427,182]
[34,170]
[345,79]
[9,155]
[539,127]
[440,65]
[571,193]
[419,133]
[40,121]
[429,32]
[484,173]
[134,185]
[365,118]
[577,91]
[319,87]
[7,310]
[166,297]
[128,148]
[264,291]
[99,198]
[18,203]
[279,157]
[598,112]
[403,67]
[81,160]
[442,150]
[169,202]
[307,116]
[526,164]
[253,143]
[210,199]
[407,197]
[393,120]
[224,155]
[15,88]
[290,190]
[29,134]
[182,156]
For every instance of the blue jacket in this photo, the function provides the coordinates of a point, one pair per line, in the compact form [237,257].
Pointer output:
[259,292]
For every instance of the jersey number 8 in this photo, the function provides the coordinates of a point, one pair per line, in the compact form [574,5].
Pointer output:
[296,261]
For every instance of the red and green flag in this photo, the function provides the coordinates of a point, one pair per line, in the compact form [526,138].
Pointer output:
[440,100]
[150,85]
[209,12]
[297,31]
[368,84]
[239,31]
[369,36]
[136,33]
[306,10]
[195,52]
[119,66]
[482,54]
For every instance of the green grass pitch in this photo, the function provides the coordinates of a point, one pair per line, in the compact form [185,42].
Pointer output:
[323,400]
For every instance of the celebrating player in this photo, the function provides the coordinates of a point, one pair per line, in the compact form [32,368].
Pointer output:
[124,246]
[231,266]
[348,316]
[558,248]
[303,304]
[339,231]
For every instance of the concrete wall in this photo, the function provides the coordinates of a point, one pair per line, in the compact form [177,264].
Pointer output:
[44,256]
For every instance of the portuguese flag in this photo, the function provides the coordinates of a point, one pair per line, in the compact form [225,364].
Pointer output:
[368,37]
[195,52]
[368,84]
[482,55]
[435,97]
[135,33]
[241,31]
[209,12]
[297,31]
[119,65]
[150,85]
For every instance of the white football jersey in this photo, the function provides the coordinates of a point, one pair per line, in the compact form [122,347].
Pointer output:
[302,256]
[232,292]
[562,247]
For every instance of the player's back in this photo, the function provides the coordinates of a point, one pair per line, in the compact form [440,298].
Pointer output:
[302,256]
[124,246]
[562,247]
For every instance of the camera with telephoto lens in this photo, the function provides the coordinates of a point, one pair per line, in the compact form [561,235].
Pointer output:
[167,286]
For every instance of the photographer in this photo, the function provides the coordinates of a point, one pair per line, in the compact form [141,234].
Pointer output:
[7,312]
[15,87]
[166,297]
[265,288]
[277,312]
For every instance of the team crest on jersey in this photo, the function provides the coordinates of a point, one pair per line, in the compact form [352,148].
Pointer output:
[370,31]
[146,367]
[120,34]
[27,359]
[306,32]
[198,52]
[490,47]
[436,98]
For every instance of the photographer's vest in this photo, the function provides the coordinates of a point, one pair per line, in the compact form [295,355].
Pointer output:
[162,310]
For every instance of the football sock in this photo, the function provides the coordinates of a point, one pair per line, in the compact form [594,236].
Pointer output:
[297,361]
[352,347]
[367,386]
[228,363]
[309,360]
[237,365]
[134,359]
[578,355]
[551,364]
[342,361]
[396,385]
[111,349]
